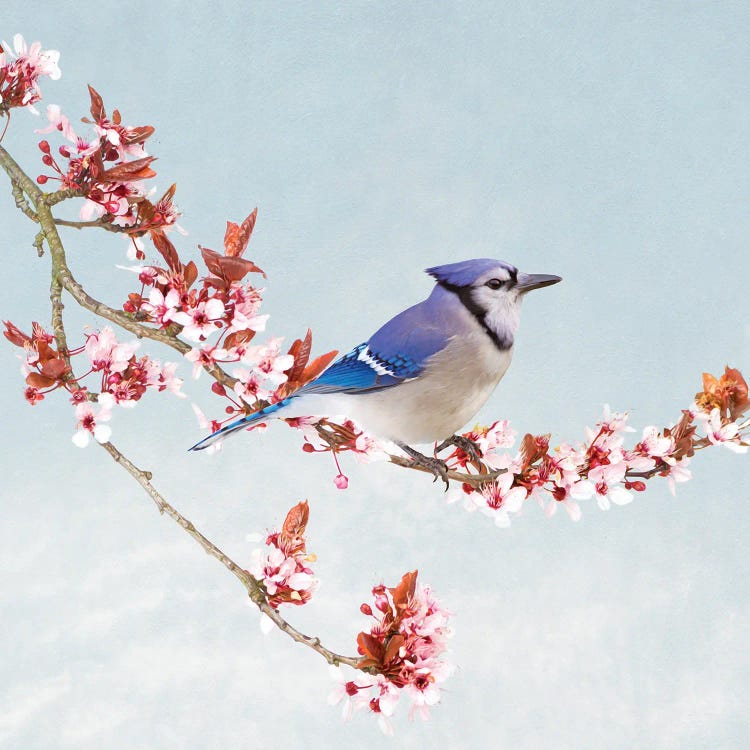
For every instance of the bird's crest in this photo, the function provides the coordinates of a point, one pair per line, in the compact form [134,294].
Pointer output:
[466,272]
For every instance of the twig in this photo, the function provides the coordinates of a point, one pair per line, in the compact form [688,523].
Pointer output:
[251,584]
[21,202]
[98,224]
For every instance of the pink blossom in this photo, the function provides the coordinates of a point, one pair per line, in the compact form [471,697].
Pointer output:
[250,385]
[678,472]
[204,358]
[90,422]
[499,498]
[106,353]
[606,480]
[19,84]
[269,361]
[41,62]
[718,434]
[163,377]
[242,322]
[161,308]
[352,694]
[201,320]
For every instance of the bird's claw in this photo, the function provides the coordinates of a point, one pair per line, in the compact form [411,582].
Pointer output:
[469,447]
[436,466]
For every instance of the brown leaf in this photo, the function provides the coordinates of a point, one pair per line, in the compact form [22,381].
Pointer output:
[391,650]
[235,269]
[371,647]
[236,237]
[404,591]
[190,274]
[137,135]
[296,520]
[167,250]
[138,169]
[300,350]
[317,366]
[38,380]
[97,105]
[238,337]
[15,335]
[211,258]
[54,368]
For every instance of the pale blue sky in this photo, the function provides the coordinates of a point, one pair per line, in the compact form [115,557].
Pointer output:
[606,142]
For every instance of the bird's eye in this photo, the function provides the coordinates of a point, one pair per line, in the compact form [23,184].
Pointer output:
[494,283]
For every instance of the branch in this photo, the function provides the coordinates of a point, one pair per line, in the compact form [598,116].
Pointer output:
[251,585]
[61,270]
[98,224]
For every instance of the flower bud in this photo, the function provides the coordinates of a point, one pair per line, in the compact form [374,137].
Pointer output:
[42,179]
[44,147]
[341,481]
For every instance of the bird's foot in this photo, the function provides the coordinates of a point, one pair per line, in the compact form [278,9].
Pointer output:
[469,447]
[436,466]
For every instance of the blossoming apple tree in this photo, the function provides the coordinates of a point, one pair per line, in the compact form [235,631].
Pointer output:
[210,315]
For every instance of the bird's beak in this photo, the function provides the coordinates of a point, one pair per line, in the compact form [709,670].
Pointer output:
[528,281]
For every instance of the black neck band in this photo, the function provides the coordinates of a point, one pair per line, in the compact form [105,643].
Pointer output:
[464,295]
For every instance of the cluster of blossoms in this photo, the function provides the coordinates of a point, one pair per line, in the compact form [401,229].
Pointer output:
[220,315]
[21,67]
[283,570]
[402,651]
[122,377]
[600,467]
[108,169]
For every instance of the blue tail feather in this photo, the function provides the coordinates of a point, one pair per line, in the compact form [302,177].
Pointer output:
[239,424]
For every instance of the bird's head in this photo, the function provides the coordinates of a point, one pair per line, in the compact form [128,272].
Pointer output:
[492,291]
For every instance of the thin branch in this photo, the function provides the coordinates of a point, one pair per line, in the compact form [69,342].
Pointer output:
[98,224]
[19,177]
[251,584]
[21,202]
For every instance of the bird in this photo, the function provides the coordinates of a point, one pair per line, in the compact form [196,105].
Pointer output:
[425,373]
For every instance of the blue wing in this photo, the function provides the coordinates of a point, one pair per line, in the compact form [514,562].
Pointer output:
[399,351]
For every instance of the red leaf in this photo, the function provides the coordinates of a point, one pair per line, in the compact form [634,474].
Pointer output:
[317,366]
[236,237]
[167,250]
[211,258]
[235,269]
[238,337]
[137,169]
[137,135]
[15,335]
[37,380]
[190,274]
[371,647]
[54,368]
[97,104]
[296,520]
[391,651]
[404,591]
[300,350]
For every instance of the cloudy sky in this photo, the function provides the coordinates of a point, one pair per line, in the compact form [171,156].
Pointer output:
[606,142]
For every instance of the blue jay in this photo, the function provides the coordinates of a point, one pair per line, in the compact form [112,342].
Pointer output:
[427,371]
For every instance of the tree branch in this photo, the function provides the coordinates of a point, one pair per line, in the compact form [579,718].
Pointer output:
[250,583]
[98,224]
